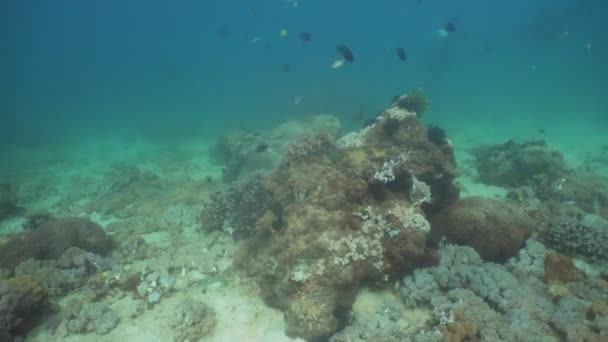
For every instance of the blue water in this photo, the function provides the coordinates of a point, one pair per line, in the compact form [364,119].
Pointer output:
[73,69]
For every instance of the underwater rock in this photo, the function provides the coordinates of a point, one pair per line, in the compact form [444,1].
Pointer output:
[52,239]
[22,304]
[193,321]
[494,228]
[513,164]
[82,317]
[336,216]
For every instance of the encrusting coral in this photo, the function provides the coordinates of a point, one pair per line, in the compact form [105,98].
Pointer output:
[342,214]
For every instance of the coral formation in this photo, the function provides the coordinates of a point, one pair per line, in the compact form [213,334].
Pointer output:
[585,236]
[414,102]
[240,154]
[513,164]
[494,228]
[503,303]
[52,239]
[237,210]
[337,215]
[559,267]
[22,303]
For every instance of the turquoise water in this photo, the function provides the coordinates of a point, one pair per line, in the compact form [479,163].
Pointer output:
[75,69]
[118,117]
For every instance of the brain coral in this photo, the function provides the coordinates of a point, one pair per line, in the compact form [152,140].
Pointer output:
[494,228]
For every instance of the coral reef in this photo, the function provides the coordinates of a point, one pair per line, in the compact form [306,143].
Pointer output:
[335,216]
[52,239]
[245,152]
[503,303]
[585,236]
[494,228]
[22,303]
[513,164]
[237,210]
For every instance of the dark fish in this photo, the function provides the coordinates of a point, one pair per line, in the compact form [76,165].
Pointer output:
[261,147]
[305,36]
[286,67]
[487,48]
[401,54]
[223,33]
[541,131]
[449,27]
[346,53]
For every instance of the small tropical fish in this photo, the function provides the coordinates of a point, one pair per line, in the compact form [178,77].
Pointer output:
[305,36]
[286,67]
[401,54]
[345,55]
[447,29]
[283,33]
[255,40]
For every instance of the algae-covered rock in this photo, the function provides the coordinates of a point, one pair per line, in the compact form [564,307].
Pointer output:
[337,215]
[82,317]
[51,239]
[193,321]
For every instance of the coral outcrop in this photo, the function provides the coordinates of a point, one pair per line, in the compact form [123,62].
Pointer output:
[244,152]
[581,235]
[475,300]
[51,239]
[494,228]
[22,303]
[513,164]
[341,214]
